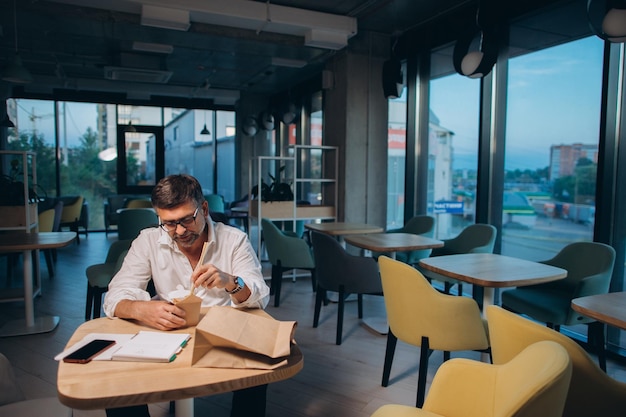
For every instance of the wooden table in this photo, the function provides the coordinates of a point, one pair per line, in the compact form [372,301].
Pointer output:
[27,243]
[389,243]
[491,271]
[343,229]
[110,384]
[606,308]
[392,242]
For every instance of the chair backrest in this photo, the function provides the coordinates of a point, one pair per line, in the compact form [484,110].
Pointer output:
[416,309]
[290,251]
[533,383]
[216,202]
[72,207]
[138,203]
[132,221]
[334,267]
[591,393]
[46,220]
[583,260]
[475,238]
[420,225]
[116,249]
[58,212]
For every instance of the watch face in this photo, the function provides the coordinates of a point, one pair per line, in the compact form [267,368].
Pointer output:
[240,282]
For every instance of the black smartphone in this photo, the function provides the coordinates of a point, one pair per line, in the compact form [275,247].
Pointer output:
[89,351]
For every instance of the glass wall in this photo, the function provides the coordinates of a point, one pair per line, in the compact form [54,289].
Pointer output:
[396,160]
[452,151]
[552,133]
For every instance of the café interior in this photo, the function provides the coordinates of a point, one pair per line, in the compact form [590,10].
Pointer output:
[461,113]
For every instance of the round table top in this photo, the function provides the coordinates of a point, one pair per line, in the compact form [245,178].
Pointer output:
[393,242]
[20,241]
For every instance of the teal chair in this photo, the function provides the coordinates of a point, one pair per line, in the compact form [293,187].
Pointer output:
[418,225]
[99,276]
[475,238]
[589,268]
[216,203]
[133,220]
[285,252]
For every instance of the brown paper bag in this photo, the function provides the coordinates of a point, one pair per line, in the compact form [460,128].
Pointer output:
[231,338]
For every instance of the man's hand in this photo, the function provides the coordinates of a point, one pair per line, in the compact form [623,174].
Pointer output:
[209,276]
[158,314]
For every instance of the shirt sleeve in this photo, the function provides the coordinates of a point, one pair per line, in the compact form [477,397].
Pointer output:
[246,265]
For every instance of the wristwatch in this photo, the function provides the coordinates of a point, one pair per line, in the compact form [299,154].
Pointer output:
[239,286]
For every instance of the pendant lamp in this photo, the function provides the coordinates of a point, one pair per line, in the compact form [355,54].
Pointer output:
[607,19]
[478,62]
[204,130]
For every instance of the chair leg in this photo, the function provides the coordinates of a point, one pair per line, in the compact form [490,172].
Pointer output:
[319,297]
[423,370]
[313,279]
[392,340]
[97,301]
[360,305]
[446,287]
[89,302]
[595,338]
[48,256]
[277,281]
[340,308]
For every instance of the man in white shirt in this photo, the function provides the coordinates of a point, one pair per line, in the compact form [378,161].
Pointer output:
[169,256]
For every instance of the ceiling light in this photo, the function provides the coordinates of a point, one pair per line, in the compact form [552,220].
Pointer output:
[109,154]
[607,19]
[165,18]
[130,128]
[482,36]
[15,72]
[393,80]
[205,131]
[159,48]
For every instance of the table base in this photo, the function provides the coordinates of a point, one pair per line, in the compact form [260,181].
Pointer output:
[184,408]
[20,328]
[377,325]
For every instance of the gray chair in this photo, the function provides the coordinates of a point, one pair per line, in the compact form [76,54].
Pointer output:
[14,404]
[589,268]
[475,238]
[133,220]
[337,270]
[285,253]
[99,276]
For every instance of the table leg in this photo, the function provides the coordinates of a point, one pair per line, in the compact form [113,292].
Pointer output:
[378,325]
[184,408]
[488,299]
[29,325]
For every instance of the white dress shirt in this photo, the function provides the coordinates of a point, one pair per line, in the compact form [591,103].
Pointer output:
[154,255]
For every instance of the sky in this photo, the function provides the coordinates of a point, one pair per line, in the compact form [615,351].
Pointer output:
[554,98]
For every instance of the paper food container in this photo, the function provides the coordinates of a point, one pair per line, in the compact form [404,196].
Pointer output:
[230,338]
[191,304]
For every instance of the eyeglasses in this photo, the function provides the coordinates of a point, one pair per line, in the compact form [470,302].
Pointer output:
[171,225]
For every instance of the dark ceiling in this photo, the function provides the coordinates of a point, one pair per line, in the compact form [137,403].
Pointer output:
[81,48]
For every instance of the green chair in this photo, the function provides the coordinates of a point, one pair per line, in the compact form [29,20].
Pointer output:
[131,221]
[475,238]
[589,268]
[418,225]
[99,276]
[285,253]
[337,270]
[591,392]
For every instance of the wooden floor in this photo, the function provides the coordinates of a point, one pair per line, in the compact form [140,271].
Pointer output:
[336,380]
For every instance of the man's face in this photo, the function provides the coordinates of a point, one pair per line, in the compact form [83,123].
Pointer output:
[184,223]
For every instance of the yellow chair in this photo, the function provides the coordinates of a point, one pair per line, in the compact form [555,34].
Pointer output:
[591,393]
[70,216]
[534,383]
[421,316]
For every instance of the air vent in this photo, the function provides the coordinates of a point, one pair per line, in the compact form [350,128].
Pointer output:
[137,75]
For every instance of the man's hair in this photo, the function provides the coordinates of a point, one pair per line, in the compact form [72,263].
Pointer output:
[175,190]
